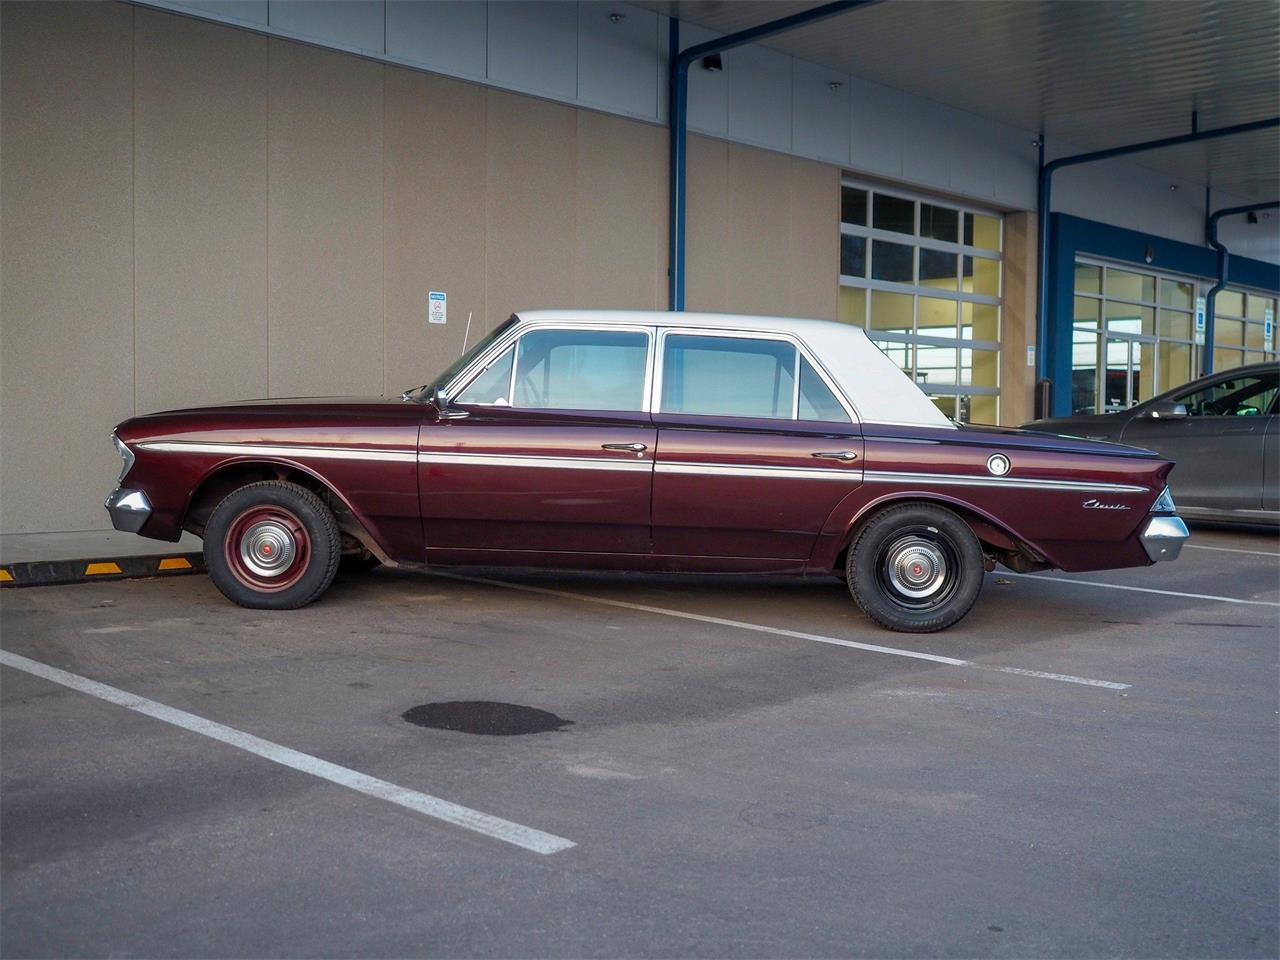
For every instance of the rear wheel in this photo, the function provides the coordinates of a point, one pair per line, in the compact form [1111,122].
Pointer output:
[915,568]
[272,546]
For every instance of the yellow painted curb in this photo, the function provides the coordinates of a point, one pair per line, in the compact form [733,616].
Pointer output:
[175,563]
[5,576]
[97,568]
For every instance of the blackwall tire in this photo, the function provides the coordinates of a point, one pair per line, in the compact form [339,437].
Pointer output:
[915,568]
[272,546]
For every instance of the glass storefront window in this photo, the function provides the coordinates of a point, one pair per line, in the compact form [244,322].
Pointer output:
[923,277]
[1147,325]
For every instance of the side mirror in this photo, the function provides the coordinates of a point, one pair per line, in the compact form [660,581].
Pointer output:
[445,410]
[1168,410]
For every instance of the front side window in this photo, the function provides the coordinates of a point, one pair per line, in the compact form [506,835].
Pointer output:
[493,385]
[743,377]
[1239,397]
[581,370]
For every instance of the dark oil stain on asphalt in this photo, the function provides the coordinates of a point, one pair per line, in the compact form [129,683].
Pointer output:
[485,717]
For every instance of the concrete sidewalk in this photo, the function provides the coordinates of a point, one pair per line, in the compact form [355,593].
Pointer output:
[40,559]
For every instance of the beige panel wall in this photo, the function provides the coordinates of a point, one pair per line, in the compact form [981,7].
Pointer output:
[763,232]
[1018,320]
[200,193]
[324,213]
[530,205]
[290,208]
[66,259]
[433,220]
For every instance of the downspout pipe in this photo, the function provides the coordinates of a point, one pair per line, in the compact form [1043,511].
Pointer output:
[1044,207]
[678,116]
[1224,269]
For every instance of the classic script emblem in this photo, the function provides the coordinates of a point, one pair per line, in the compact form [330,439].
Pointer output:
[1093,504]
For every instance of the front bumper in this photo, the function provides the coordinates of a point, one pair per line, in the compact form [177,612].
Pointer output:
[1163,537]
[129,509]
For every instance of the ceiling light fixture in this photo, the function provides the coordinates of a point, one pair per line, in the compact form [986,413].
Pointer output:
[617,17]
[713,63]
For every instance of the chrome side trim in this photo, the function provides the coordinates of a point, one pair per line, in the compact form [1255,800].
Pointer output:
[1022,483]
[557,463]
[731,470]
[281,450]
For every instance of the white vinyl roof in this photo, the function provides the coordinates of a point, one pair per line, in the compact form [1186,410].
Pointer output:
[873,384]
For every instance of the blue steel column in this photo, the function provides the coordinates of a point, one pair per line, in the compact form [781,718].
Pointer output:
[678,112]
[1224,269]
[1045,186]
[677,119]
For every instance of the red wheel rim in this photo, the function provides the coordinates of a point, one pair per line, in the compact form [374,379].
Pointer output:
[267,548]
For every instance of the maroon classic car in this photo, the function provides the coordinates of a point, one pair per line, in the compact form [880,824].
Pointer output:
[644,441]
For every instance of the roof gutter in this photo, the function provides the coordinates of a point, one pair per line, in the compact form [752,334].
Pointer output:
[678,116]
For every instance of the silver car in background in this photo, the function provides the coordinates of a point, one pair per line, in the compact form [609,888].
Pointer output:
[1222,431]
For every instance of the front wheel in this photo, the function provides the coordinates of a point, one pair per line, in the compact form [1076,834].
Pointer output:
[272,546]
[915,568]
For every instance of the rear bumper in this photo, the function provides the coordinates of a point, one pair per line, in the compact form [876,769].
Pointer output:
[1163,537]
[129,509]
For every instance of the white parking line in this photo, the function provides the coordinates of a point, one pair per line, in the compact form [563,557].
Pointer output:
[781,632]
[1119,586]
[460,816]
[1255,553]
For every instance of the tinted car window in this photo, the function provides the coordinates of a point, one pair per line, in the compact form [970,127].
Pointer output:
[817,402]
[728,376]
[581,370]
[493,385]
[1245,396]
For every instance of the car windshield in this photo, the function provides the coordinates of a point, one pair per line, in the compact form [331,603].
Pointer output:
[451,371]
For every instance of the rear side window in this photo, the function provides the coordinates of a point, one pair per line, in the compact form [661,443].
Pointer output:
[581,370]
[743,377]
[728,377]
[1243,396]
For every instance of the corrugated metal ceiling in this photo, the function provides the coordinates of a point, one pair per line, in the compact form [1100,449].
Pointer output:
[1093,74]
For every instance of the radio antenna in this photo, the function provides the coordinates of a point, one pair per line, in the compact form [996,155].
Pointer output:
[466,335]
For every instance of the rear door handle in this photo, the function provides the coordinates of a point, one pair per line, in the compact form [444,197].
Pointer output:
[845,456]
[633,447]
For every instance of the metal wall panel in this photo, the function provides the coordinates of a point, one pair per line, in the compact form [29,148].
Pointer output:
[616,60]
[760,97]
[708,90]
[350,24]
[819,115]
[446,36]
[243,11]
[533,47]
[875,113]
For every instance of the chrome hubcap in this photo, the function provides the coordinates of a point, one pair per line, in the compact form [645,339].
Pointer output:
[916,567]
[267,548]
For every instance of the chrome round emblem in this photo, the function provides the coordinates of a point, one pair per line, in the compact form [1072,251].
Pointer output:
[998,464]
[916,567]
[267,549]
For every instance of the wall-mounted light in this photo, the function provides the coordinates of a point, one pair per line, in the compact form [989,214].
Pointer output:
[1252,217]
[1173,187]
[713,63]
[1150,255]
[834,85]
[617,17]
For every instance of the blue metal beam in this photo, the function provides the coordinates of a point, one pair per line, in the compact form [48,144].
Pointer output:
[1045,201]
[678,116]
[1224,268]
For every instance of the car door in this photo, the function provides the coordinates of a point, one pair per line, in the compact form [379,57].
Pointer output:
[1218,447]
[754,447]
[548,449]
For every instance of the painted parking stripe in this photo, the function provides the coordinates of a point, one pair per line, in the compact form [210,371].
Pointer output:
[1120,586]
[795,634]
[1254,553]
[424,803]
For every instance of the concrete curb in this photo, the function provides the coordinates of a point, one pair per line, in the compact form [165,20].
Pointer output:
[48,573]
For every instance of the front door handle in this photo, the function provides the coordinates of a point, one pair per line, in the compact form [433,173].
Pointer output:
[633,447]
[844,456]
